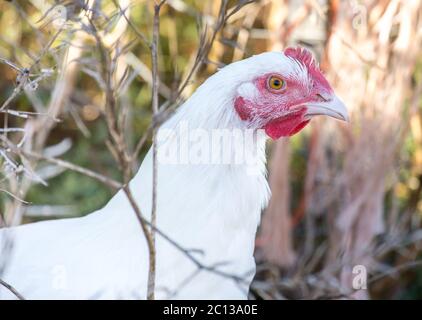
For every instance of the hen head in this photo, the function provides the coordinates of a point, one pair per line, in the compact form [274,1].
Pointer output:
[281,92]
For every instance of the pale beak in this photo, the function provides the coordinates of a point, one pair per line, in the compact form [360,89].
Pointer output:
[332,107]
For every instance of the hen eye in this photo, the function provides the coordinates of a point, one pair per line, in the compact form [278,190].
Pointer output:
[276,83]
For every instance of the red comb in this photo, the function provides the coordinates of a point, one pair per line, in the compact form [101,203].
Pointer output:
[303,55]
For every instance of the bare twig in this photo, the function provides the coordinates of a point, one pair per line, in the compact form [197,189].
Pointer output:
[89,173]
[11,289]
[155,84]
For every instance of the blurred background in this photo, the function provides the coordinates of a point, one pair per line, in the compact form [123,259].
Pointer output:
[344,195]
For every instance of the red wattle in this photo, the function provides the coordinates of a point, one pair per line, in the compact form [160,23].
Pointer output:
[285,127]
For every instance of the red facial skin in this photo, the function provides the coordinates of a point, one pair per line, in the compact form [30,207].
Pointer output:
[278,110]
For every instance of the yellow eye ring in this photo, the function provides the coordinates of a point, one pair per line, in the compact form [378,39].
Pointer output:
[276,83]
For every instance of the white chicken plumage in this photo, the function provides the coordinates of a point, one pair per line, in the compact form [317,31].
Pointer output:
[213,209]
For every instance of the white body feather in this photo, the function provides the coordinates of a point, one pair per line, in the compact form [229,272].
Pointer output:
[210,207]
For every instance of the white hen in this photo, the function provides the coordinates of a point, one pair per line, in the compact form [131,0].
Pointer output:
[202,205]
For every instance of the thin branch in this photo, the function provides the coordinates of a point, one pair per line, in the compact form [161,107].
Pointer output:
[65,164]
[11,289]
[118,146]
[14,196]
[68,165]
[155,84]
[150,242]
[130,23]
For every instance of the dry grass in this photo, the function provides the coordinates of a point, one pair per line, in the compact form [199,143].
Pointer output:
[352,216]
